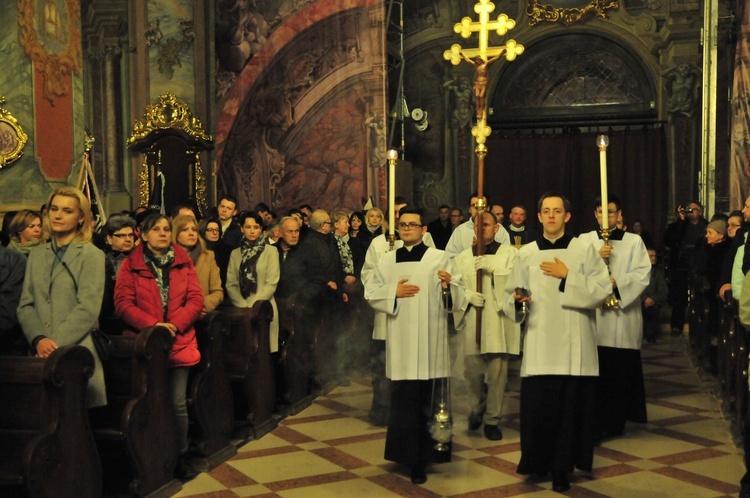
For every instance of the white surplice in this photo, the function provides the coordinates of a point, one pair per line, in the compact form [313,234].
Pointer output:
[378,247]
[500,333]
[630,266]
[416,328]
[561,330]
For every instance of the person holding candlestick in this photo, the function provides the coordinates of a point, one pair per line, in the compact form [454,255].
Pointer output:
[620,392]
[566,282]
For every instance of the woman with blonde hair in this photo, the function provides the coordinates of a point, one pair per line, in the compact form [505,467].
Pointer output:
[185,233]
[375,221]
[64,285]
[25,231]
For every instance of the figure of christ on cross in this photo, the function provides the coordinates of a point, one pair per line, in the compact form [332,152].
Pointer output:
[480,82]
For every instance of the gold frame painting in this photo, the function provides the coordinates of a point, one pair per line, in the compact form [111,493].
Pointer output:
[12,137]
[50,34]
[568,11]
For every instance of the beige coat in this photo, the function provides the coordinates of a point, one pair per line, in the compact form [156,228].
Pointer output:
[268,278]
[208,274]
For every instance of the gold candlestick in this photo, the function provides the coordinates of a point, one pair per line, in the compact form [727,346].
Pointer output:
[602,142]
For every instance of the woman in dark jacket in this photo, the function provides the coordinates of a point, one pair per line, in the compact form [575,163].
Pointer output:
[158,285]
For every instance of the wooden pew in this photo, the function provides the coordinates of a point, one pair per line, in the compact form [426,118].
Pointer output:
[47,448]
[210,402]
[698,309]
[247,356]
[727,357]
[139,418]
[740,374]
[296,350]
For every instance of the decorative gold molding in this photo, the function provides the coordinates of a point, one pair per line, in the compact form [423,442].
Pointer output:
[200,184]
[12,137]
[165,114]
[53,45]
[143,180]
[556,12]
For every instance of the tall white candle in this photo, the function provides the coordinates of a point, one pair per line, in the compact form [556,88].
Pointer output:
[392,155]
[602,141]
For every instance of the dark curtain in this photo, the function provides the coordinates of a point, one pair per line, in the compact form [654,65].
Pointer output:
[519,168]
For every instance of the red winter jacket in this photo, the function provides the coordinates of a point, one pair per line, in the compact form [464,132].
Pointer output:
[138,302]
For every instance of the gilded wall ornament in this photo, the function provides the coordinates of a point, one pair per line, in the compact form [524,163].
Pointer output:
[50,33]
[12,137]
[165,114]
[568,11]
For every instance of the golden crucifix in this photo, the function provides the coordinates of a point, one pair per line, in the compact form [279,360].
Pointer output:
[480,58]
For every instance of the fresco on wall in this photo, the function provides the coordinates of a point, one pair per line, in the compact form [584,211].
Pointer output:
[739,169]
[300,133]
[170,39]
[22,184]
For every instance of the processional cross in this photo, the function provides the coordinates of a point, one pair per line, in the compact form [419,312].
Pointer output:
[480,58]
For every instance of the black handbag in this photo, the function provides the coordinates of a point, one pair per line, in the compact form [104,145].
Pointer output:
[104,346]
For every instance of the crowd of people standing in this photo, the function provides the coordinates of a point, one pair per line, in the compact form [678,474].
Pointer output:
[540,295]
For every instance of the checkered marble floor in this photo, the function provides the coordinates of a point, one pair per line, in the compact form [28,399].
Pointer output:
[330,449]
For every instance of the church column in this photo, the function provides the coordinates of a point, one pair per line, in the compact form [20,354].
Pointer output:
[112,119]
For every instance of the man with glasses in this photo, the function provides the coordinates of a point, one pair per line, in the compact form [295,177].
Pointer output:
[381,390]
[413,286]
[325,267]
[120,236]
[457,217]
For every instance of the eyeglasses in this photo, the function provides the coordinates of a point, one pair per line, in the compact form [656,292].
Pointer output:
[212,230]
[327,223]
[124,235]
[411,226]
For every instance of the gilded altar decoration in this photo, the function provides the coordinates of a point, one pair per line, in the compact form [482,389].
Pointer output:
[168,113]
[12,137]
[569,11]
[171,117]
[50,34]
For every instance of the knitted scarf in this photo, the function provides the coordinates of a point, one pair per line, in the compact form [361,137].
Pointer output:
[160,267]
[250,252]
[345,252]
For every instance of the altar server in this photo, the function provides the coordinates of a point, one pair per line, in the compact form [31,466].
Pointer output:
[412,286]
[501,336]
[566,280]
[381,386]
[620,394]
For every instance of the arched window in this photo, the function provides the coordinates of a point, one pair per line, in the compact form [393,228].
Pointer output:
[573,79]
